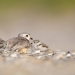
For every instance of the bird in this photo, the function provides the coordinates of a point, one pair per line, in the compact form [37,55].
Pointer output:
[16,43]
[43,47]
[35,44]
[25,35]
[21,43]
[38,45]
[2,45]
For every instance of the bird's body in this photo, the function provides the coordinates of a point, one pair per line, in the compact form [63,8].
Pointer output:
[2,45]
[17,43]
[2,42]
[35,44]
[43,47]
[39,45]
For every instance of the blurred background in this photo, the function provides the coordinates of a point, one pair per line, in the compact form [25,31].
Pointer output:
[51,21]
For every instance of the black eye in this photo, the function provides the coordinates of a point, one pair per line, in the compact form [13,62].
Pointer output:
[31,43]
[26,35]
[39,44]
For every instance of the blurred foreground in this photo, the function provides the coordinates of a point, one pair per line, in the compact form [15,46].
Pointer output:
[31,66]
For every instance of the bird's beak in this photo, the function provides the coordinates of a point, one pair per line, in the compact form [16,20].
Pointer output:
[31,38]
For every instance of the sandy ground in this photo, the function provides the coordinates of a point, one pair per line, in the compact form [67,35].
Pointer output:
[57,31]
[30,66]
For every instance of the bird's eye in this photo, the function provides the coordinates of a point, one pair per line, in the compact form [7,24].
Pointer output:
[43,46]
[31,43]
[39,44]
[26,35]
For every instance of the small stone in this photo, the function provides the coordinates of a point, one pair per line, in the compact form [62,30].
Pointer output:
[39,57]
[59,55]
[23,50]
[14,55]
[36,52]
[68,54]
[6,53]
[50,51]
[73,53]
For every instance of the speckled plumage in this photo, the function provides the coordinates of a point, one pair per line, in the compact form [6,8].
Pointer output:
[2,45]
[39,45]
[17,43]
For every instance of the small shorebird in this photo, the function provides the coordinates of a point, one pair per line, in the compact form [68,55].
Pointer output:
[39,45]
[25,35]
[2,45]
[35,44]
[21,43]
[1,41]
[43,47]
[17,43]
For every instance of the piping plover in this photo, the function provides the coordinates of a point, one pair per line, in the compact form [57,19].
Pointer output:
[1,41]
[22,41]
[39,45]
[2,45]
[43,47]
[25,35]
[35,44]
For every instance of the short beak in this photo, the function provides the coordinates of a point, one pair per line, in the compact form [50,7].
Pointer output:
[31,38]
